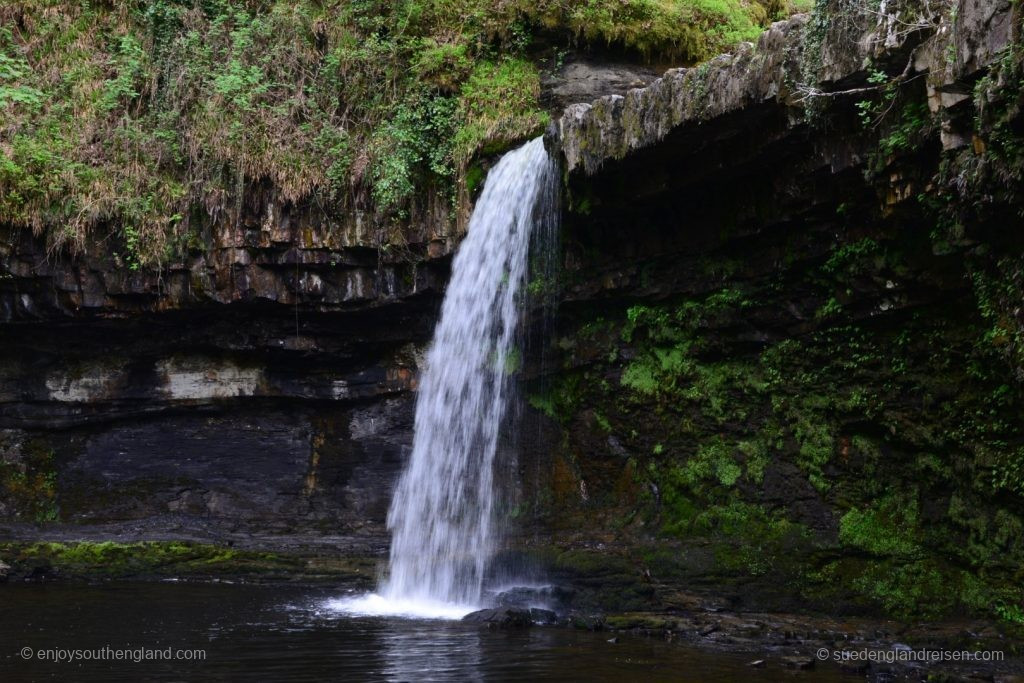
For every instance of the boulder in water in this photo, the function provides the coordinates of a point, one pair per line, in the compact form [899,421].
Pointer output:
[501,617]
[526,597]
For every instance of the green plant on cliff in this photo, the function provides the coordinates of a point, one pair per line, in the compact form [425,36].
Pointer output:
[998,103]
[998,287]
[1011,613]
[28,482]
[881,529]
[668,346]
[837,24]
[853,258]
[714,462]
[412,140]
[750,537]
[989,169]
[14,69]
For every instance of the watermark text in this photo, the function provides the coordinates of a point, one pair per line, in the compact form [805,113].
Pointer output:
[112,654]
[908,654]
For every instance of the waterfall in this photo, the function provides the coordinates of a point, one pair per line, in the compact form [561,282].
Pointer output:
[442,514]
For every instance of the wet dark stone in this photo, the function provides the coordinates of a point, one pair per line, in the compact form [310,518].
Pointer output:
[499,617]
[531,596]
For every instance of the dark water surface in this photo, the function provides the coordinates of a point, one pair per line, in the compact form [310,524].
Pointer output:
[285,633]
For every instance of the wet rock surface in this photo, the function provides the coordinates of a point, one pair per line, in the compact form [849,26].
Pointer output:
[169,556]
[875,649]
[264,258]
[583,80]
[212,425]
[798,643]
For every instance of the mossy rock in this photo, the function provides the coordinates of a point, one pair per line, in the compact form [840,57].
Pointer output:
[642,621]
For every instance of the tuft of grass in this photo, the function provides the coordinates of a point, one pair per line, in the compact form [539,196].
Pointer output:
[498,106]
[694,29]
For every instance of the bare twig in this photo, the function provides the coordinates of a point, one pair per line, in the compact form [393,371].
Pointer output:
[904,77]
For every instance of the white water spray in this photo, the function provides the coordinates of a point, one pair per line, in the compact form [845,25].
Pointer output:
[442,516]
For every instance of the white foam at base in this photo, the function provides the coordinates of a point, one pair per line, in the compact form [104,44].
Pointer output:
[374,605]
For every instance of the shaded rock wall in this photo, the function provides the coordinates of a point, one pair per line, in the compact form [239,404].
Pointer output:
[264,391]
[144,430]
[788,361]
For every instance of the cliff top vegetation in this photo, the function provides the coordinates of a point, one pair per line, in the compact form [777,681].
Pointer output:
[141,120]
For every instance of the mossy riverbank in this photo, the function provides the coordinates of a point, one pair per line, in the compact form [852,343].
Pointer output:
[101,560]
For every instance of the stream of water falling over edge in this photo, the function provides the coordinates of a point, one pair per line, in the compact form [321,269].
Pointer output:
[442,512]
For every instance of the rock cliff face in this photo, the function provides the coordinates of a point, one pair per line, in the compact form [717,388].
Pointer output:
[786,363]
[264,387]
[796,65]
[789,336]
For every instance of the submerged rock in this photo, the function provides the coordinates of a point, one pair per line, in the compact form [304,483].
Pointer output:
[543,616]
[587,622]
[798,662]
